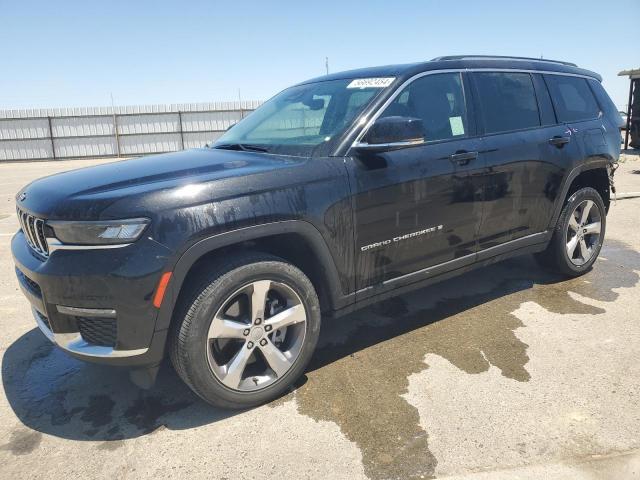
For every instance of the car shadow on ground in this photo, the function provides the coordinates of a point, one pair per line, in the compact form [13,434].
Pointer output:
[55,394]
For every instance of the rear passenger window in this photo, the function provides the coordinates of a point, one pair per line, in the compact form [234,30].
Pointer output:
[507,101]
[572,98]
[438,100]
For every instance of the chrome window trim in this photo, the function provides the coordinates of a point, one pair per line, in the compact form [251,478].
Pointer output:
[368,122]
[408,143]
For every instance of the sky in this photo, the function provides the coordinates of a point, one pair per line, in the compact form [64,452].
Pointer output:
[63,53]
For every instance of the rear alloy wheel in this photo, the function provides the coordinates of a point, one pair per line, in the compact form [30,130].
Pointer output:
[583,232]
[247,332]
[578,235]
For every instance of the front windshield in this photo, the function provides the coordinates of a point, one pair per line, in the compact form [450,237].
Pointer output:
[301,119]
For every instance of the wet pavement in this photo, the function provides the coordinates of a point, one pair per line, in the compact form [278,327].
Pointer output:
[504,372]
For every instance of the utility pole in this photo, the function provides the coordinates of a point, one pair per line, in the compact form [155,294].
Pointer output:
[115,126]
[326,64]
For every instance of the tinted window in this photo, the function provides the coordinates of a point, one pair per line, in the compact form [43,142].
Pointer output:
[603,98]
[572,98]
[295,120]
[303,120]
[438,100]
[507,101]
[547,114]
[357,101]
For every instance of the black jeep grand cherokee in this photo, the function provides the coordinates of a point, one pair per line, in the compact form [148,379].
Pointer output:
[336,193]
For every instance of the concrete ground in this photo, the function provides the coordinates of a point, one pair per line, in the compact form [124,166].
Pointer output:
[504,373]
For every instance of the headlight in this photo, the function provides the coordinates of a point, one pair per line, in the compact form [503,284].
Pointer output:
[110,232]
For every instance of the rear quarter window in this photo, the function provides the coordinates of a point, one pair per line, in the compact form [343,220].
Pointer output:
[572,98]
[603,98]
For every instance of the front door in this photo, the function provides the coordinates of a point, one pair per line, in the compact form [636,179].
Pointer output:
[418,207]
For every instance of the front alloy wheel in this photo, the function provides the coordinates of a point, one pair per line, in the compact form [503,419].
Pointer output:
[247,331]
[256,336]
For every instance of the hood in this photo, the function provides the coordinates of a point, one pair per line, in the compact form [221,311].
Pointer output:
[144,183]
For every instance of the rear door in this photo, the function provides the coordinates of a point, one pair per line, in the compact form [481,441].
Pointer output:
[526,153]
[577,108]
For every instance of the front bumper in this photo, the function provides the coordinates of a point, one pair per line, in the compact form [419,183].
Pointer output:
[96,304]
[75,344]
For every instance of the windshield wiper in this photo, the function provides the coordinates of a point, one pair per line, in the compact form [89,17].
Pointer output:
[246,147]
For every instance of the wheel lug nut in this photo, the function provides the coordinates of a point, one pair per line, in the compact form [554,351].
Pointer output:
[246,332]
[263,342]
[249,345]
[258,321]
[268,328]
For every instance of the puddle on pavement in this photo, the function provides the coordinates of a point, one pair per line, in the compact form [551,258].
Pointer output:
[358,376]
[356,379]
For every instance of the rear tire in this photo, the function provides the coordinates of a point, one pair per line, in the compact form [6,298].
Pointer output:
[578,235]
[246,332]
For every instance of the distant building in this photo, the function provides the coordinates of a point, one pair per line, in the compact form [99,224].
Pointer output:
[633,109]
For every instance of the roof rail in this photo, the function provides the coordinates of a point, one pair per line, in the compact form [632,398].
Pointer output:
[501,57]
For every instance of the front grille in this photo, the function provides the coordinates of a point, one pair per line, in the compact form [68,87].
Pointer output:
[33,229]
[98,331]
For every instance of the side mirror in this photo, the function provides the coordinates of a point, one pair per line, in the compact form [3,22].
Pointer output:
[314,103]
[390,133]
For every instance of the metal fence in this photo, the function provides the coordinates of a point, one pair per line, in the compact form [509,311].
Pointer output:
[52,134]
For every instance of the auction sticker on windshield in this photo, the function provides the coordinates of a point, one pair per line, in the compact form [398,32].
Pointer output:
[379,82]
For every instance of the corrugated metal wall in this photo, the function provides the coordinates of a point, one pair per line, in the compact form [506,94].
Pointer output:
[51,134]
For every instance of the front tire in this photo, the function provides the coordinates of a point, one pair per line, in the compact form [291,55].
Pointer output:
[578,236]
[247,331]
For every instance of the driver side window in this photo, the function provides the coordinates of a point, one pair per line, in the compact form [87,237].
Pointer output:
[437,100]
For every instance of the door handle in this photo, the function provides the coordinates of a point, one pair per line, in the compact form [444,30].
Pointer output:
[462,158]
[559,141]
